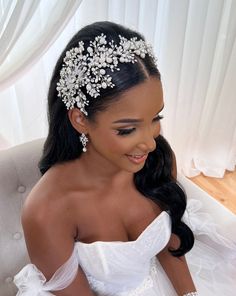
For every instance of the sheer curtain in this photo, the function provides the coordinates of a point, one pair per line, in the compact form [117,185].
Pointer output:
[195,45]
[27,29]
[199,69]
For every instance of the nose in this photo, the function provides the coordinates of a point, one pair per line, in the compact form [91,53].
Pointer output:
[148,143]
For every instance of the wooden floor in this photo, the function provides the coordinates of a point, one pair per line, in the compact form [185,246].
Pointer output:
[223,189]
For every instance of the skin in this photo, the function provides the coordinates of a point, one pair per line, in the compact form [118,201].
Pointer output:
[89,198]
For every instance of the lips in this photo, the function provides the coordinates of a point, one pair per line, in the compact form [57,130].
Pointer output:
[137,158]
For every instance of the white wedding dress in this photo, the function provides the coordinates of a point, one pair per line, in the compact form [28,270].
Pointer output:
[131,268]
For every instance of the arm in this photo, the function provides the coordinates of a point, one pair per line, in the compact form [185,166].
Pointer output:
[49,236]
[176,268]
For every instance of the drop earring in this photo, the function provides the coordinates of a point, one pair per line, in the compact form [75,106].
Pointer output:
[83,140]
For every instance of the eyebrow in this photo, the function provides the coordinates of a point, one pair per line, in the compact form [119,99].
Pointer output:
[130,120]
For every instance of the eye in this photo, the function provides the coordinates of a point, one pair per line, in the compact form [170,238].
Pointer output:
[123,132]
[127,131]
[158,118]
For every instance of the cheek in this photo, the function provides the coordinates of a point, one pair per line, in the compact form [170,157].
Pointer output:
[119,145]
[109,143]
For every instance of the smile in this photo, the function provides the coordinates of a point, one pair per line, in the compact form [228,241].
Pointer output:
[137,158]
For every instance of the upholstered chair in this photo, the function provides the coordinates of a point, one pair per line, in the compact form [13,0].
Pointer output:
[18,174]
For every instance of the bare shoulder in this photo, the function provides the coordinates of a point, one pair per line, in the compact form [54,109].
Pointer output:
[50,196]
[49,228]
[47,222]
[46,198]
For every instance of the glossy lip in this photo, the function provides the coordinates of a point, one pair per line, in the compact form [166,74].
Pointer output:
[137,160]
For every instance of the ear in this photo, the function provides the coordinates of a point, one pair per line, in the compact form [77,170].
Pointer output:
[78,120]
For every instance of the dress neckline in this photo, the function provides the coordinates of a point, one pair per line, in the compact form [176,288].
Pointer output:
[162,214]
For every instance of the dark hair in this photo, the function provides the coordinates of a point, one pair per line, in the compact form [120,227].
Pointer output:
[155,180]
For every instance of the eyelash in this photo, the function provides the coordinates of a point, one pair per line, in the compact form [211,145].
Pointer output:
[124,132]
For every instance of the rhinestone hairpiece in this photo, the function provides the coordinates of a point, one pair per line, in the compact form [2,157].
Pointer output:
[87,67]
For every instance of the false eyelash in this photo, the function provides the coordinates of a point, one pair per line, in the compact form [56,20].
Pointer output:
[159,117]
[123,132]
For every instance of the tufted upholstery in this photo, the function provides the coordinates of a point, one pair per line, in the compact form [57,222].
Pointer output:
[19,173]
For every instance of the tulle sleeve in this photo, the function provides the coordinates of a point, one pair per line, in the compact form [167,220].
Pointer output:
[31,282]
[202,223]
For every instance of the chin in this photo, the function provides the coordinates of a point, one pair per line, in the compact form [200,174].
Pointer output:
[135,170]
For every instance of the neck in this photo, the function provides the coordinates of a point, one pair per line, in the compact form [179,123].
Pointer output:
[99,173]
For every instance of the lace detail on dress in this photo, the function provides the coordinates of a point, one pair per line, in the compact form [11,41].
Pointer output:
[149,239]
[101,289]
[97,286]
[146,284]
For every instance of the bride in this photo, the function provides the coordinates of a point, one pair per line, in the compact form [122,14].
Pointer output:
[108,216]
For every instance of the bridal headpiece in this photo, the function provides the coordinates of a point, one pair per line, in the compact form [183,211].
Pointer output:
[86,68]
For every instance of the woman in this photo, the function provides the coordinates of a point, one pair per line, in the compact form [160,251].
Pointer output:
[106,216]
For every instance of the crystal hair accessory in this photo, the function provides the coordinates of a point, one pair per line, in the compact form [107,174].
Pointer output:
[86,67]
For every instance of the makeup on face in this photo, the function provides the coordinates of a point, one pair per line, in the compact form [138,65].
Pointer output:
[125,132]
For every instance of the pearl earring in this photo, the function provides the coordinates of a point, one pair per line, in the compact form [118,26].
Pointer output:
[83,140]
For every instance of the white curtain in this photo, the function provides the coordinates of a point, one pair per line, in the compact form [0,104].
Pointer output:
[194,41]
[198,59]
[27,29]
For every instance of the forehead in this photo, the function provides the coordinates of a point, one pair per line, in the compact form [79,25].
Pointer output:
[143,100]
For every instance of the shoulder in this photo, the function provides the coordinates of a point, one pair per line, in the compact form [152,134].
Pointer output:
[49,230]
[47,221]
[48,203]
